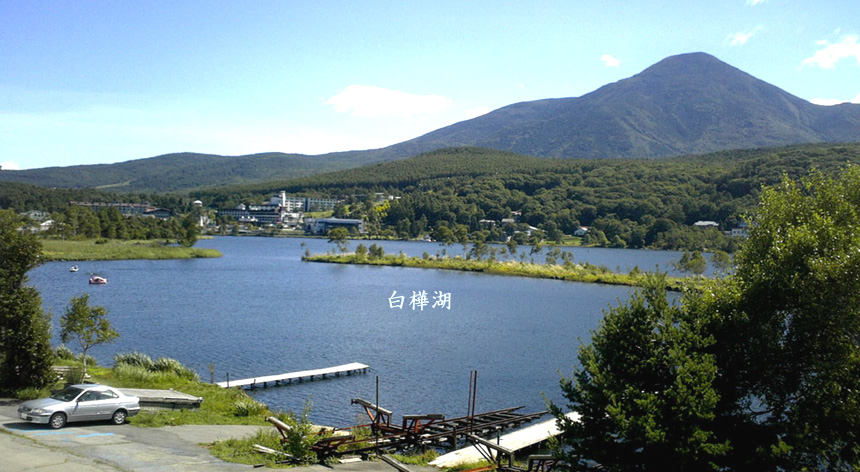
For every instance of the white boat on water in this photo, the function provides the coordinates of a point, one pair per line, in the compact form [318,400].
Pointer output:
[96,280]
[73,269]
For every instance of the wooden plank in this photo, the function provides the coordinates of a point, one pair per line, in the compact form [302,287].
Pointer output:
[514,441]
[371,406]
[290,376]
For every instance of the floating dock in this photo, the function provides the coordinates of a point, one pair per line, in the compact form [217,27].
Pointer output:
[297,376]
[514,441]
[163,399]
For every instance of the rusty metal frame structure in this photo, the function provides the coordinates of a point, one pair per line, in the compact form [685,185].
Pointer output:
[421,430]
[502,458]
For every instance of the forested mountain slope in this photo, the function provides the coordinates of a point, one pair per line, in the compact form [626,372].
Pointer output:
[686,104]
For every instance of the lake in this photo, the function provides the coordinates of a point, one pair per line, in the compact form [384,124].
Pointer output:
[260,310]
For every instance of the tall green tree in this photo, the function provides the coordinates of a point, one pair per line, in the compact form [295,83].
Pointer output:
[692,262]
[87,325]
[339,236]
[644,391]
[25,336]
[188,231]
[787,325]
[756,371]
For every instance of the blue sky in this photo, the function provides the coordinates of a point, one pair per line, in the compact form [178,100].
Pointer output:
[86,82]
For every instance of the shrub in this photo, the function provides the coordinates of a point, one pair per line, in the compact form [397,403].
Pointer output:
[134,358]
[62,352]
[300,436]
[166,364]
[30,393]
[248,407]
[91,361]
[75,375]
[242,451]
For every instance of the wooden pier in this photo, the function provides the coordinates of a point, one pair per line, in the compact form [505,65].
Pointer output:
[289,377]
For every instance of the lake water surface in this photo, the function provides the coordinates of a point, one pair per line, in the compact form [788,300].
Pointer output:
[260,310]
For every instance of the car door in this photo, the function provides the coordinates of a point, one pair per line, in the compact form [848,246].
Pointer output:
[105,404]
[86,408]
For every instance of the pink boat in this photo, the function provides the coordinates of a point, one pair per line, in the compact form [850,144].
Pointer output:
[96,280]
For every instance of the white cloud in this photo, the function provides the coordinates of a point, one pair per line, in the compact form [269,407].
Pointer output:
[609,61]
[827,102]
[364,100]
[741,38]
[834,101]
[9,165]
[755,2]
[476,112]
[831,53]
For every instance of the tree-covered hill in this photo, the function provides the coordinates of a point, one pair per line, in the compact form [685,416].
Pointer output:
[740,171]
[631,202]
[184,171]
[628,202]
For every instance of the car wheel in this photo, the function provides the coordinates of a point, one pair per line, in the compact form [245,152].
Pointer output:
[58,420]
[119,417]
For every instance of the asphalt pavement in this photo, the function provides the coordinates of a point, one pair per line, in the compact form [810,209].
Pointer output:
[104,446]
[101,446]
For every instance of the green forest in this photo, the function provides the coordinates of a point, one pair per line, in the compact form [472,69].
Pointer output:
[463,194]
[625,202]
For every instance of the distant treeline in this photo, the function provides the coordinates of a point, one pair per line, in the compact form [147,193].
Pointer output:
[25,197]
[624,202]
[77,222]
[453,194]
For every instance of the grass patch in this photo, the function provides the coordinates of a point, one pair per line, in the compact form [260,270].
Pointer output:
[471,465]
[571,272]
[219,405]
[241,450]
[114,249]
[423,458]
[294,449]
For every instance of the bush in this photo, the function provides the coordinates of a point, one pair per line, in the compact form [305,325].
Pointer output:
[91,361]
[300,436]
[31,393]
[75,375]
[242,451]
[248,407]
[139,366]
[139,375]
[62,352]
[166,364]
[134,358]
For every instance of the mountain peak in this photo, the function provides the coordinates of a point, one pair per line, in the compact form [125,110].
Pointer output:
[685,104]
[695,63]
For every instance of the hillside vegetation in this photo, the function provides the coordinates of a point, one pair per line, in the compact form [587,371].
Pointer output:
[628,202]
[452,194]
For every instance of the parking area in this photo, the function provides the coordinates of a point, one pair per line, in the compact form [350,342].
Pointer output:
[104,446]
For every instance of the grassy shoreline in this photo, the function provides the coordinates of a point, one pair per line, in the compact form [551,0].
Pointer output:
[113,249]
[586,273]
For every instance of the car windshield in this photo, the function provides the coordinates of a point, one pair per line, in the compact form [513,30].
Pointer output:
[67,394]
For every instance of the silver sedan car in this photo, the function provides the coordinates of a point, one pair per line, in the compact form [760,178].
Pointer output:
[84,402]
